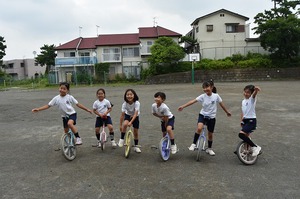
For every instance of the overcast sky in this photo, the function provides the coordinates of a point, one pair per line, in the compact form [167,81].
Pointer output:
[27,25]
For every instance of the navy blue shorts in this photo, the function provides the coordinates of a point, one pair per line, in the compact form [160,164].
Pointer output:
[66,119]
[209,122]
[99,121]
[171,122]
[135,123]
[249,125]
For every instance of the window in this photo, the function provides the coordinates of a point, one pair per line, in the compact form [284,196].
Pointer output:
[234,27]
[111,54]
[69,54]
[131,52]
[149,44]
[22,65]
[11,65]
[197,29]
[209,28]
[84,54]
[222,15]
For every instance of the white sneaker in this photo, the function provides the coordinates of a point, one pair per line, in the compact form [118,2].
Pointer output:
[192,147]
[78,141]
[137,149]
[113,143]
[210,151]
[99,144]
[174,149]
[121,143]
[256,150]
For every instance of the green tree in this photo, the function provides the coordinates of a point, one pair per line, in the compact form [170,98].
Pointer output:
[279,29]
[47,57]
[2,49]
[191,45]
[165,52]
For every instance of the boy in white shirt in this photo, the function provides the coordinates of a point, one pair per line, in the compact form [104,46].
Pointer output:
[64,103]
[162,111]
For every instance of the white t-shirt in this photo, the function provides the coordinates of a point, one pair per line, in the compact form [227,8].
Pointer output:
[209,104]
[248,107]
[162,110]
[64,104]
[102,106]
[129,109]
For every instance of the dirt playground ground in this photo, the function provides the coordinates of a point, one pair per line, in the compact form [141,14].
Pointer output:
[32,168]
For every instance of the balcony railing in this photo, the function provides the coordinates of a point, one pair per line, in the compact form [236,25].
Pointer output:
[75,60]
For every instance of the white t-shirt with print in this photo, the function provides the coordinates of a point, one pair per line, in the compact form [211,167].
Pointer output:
[248,108]
[102,106]
[64,104]
[162,110]
[130,109]
[209,104]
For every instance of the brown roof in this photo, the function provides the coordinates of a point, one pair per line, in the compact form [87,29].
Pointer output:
[220,11]
[117,39]
[81,43]
[155,32]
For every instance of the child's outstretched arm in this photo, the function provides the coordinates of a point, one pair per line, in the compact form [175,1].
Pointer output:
[84,108]
[256,90]
[40,108]
[225,109]
[180,108]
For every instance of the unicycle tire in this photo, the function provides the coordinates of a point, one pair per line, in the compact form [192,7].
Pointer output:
[164,149]
[128,139]
[200,144]
[68,149]
[244,153]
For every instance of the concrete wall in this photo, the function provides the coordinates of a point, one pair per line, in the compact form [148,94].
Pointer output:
[228,75]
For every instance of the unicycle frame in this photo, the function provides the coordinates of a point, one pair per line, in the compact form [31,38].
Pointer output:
[103,137]
[200,145]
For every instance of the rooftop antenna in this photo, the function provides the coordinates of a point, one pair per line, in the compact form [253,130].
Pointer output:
[97,27]
[154,22]
[80,31]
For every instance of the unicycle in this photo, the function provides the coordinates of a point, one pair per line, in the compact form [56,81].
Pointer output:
[128,142]
[165,147]
[68,145]
[200,145]
[103,137]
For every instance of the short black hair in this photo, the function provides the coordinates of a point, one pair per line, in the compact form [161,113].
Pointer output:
[250,87]
[66,84]
[136,98]
[160,94]
[100,89]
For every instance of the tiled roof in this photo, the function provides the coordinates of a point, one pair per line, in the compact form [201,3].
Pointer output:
[220,11]
[154,32]
[117,39]
[80,43]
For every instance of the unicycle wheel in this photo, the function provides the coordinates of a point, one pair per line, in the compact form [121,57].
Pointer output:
[68,147]
[244,153]
[164,149]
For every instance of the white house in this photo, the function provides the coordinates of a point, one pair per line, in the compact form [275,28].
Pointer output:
[221,34]
[20,69]
[126,53]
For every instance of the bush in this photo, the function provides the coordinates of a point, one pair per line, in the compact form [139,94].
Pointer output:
[255,63]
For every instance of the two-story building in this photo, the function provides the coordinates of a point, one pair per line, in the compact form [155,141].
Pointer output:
[20,69]
[126,53]
[221,34]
